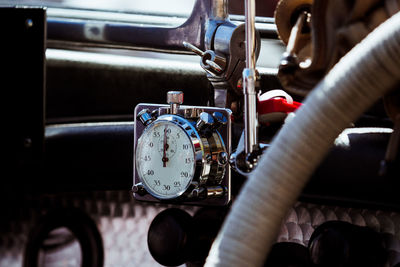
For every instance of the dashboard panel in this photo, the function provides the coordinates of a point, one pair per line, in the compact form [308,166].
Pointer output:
[92,89]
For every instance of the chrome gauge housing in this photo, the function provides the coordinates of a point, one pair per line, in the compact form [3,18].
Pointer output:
[182,157]
[167,156]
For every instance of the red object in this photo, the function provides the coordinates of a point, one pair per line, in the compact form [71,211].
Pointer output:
[278,104]
[275,109]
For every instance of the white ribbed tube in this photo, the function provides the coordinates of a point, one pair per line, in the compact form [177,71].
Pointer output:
[366,73]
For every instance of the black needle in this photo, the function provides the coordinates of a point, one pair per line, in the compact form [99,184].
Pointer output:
[165,159]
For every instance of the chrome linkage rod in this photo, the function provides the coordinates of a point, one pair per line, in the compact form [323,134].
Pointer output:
[219,9]
[249,80]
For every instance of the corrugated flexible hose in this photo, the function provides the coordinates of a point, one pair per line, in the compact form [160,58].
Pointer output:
[366,73]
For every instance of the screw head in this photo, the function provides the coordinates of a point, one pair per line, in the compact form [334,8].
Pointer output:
[205,121]
[145,116]
[223,158]
[28,23]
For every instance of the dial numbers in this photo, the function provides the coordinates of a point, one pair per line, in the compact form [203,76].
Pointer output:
[165,160]
[170,146]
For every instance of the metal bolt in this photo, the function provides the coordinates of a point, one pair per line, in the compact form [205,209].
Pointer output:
[29,23]
[144,116]
[139,189]
[205,121]
[195,192]
[219,119]
[223,158]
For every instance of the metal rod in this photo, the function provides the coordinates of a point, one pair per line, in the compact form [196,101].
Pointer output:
[250,112]
[193,48]
[249,80]
[219,9]
[250,16]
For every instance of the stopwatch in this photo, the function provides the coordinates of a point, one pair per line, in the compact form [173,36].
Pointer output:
[181,153]
[166,156]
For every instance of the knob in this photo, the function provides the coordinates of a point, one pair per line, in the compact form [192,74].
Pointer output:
[343,244]
[145,116]
[170,237]
[207,222]
[288,254]
[174,98]
[204,122]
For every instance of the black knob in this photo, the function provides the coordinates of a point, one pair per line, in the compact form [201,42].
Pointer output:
[288,254]
[207,222]
[336,243]
[169,237]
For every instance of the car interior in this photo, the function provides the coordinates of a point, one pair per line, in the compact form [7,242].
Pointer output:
[200,133]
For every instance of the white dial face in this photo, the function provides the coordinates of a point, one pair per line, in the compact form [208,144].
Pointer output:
[165,160]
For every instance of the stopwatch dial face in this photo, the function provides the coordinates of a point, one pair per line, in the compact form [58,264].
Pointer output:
[165,160]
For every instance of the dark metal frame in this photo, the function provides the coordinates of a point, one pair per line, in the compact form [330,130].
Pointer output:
[122,34]
[114,33]
[23,77]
